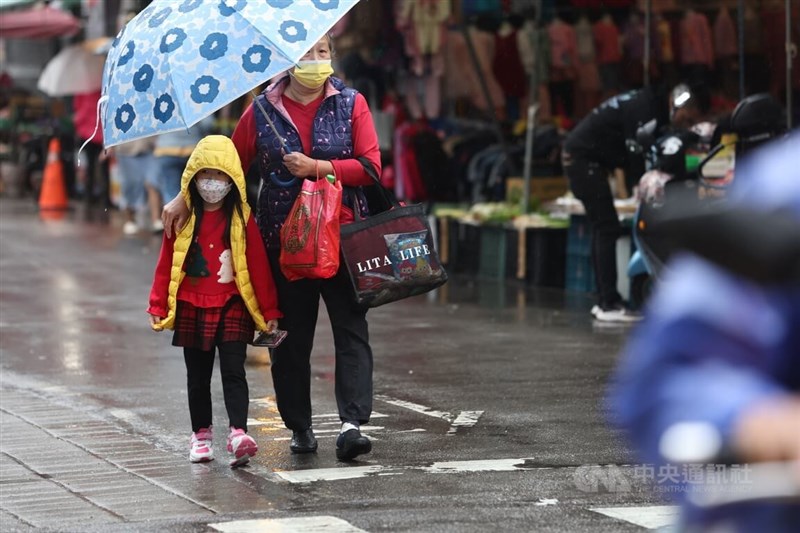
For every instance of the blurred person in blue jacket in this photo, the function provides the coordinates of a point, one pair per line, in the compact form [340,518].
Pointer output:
[713,373]
[172,152]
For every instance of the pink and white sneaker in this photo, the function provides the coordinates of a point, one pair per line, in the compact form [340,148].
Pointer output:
[242,446]
[201,447]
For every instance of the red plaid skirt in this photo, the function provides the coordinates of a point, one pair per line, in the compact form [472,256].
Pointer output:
[202,328]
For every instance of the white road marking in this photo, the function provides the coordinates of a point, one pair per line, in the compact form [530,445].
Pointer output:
[464,419]
[650,517]
[417,408]
[445,467]
[547,501]
[306,524]
[330,474]
[482,465]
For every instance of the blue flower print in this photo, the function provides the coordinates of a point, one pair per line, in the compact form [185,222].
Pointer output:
[123,119]
[143,78]
[127,55]
[172,40]
[280,4]
[215,46]
[164,108]
[326,5]
[205,89]
[257,58]
[293,31]
[226,10]
[159,17]
[189,5]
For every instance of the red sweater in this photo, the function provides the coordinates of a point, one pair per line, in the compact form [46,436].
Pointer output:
[209,278]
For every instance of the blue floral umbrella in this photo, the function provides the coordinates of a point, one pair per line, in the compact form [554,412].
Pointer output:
[178,61]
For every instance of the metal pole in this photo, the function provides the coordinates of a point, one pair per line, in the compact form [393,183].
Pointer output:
[789,57]
[648,12]
[741,50]
[533,107]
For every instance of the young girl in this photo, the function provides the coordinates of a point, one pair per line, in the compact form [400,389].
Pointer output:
[214,287]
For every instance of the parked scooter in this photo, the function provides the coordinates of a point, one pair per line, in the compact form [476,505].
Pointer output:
[675,176]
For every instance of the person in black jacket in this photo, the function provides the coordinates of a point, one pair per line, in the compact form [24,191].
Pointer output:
[605,140]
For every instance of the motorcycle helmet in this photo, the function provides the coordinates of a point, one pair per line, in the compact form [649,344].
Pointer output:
[689,96]
[757,119]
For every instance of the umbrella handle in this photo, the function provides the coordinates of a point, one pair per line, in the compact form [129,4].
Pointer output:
[273,176]
[285,147]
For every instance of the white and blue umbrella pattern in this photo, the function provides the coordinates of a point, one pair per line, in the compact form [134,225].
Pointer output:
[178,61]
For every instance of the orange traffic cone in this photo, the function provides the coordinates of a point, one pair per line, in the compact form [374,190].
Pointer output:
[54,189]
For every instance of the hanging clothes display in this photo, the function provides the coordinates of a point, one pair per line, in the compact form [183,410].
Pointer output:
[697,50]
[563,67]
[608,54]
[665,50]
[588,94]
[726,49]
[423,24]
[633,38]
[534,52]
[508,70]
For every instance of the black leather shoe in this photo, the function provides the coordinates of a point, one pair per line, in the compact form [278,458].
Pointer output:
[303,441]
[351,444]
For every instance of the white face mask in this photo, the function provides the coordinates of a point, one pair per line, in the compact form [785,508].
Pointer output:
[213,191]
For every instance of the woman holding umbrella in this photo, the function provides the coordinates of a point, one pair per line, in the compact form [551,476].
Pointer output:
[306,125]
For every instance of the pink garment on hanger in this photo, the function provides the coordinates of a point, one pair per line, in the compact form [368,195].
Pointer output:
[563,45]
[725,44]
[696,44]
[606,42]
[462,78]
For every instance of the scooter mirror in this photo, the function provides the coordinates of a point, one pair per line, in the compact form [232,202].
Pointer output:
[712,156]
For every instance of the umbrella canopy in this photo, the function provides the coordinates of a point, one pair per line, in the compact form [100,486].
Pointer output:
[178,61]
[38,23]
[73,70]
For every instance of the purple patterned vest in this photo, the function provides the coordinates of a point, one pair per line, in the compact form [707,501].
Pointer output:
[333,139]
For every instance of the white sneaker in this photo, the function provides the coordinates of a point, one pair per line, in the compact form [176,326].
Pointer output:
[130,228]
[615,314]
[158,226]
[201,447]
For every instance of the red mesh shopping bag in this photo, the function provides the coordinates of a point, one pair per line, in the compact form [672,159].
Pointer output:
[310,234]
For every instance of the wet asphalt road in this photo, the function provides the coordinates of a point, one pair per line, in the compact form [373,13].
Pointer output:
[488,412]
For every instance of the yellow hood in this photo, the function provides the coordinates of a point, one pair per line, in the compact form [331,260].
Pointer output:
[219,153]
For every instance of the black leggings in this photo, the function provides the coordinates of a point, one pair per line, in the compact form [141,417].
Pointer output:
[588,181]
[199,368]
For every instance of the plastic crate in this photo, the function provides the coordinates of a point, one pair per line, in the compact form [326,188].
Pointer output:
[493,252]
[464,248]
[579,273]
[545,261]
[579,236]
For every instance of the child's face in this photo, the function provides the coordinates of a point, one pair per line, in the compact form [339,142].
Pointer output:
[212,185]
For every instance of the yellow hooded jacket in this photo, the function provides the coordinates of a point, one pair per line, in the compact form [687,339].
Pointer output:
[215,152]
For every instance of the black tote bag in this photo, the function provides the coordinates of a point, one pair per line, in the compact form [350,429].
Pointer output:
[390,255]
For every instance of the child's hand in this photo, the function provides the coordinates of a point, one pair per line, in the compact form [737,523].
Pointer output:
[271,325]
[154,320]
